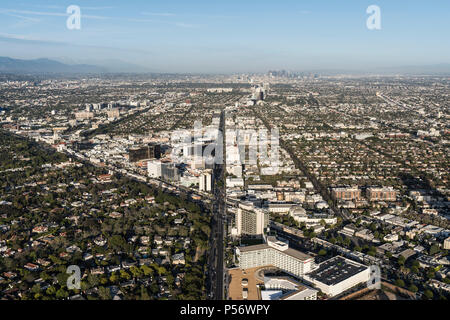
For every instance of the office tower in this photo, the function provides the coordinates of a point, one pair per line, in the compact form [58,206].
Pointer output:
[154,169]
[165,171]
[169,172]
[150,151]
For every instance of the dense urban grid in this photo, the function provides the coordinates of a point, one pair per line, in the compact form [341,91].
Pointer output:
[147,183]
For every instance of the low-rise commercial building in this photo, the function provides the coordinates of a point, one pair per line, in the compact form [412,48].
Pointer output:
[447,244]
[337,275]
[286,288]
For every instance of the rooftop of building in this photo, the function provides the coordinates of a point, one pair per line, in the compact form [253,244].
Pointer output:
[336,270]
[291,252]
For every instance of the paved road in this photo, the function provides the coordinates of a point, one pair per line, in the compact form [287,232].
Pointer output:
[216,254]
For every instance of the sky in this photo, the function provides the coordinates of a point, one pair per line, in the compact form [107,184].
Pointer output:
[231,35]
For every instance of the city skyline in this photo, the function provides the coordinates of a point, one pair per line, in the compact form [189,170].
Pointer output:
[201,37]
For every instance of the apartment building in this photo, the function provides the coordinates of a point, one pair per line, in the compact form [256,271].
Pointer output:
[346,193]
[251,221]
[381,194]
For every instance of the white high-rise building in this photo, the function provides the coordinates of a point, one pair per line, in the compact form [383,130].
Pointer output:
[154,169]
[251,221]
[202,183]
[208,177]
[206,181]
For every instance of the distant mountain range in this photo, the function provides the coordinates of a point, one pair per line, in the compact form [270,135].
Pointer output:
[111,65]
[9,65]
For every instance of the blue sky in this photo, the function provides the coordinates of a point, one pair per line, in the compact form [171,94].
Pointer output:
[231,35]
